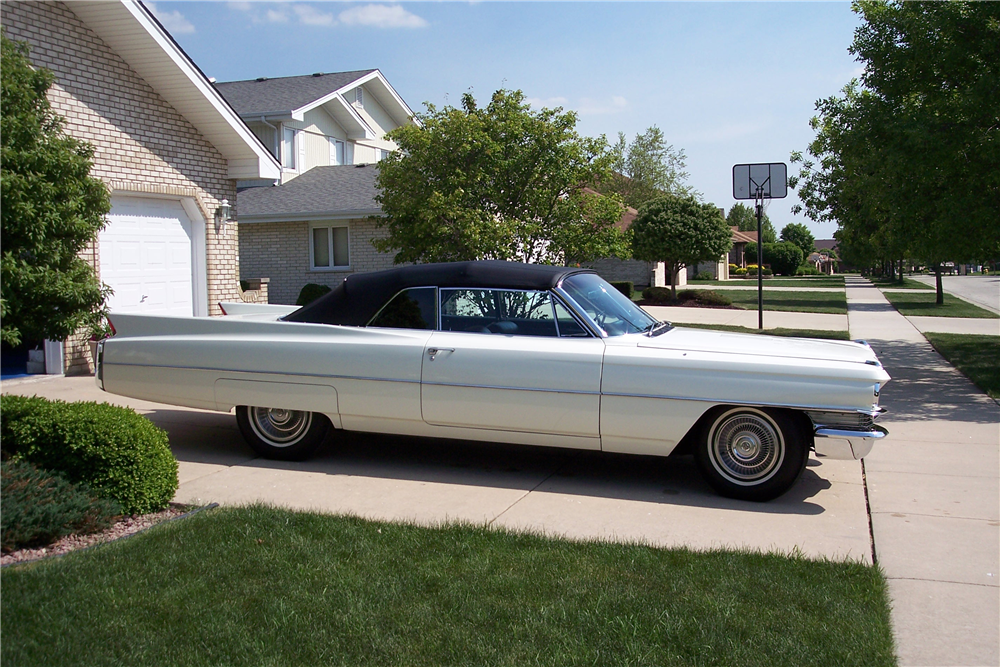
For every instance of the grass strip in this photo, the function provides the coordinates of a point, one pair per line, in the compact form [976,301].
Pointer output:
[908,283]
[923,304]
[978,357]
[265,586]
[800,302]
[821,281]
[777,331]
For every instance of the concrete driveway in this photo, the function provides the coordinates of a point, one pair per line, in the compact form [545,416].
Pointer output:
[560,492]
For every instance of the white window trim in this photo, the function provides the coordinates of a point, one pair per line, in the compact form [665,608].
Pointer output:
[329,240]
[333,150]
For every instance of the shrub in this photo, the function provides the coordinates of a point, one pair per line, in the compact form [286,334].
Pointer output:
[784,257]
[733,267]
[310,293]
[39,507]
[626,287]
[703,275]
[704,297]
[739,272]
[119,454]
[656,294]
[807,270]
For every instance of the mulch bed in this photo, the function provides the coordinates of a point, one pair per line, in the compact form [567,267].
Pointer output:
[127,526]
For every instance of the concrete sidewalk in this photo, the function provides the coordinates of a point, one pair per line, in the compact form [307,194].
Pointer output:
[934,492]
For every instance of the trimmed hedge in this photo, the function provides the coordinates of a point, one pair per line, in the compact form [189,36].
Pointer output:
[626,287]
[657,294]
[119,454]
[40,506]
[704,297]
[310,293]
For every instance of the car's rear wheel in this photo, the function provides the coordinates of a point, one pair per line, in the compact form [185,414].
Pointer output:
[752,453]
[275,433]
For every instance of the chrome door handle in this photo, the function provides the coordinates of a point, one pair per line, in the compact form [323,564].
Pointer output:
[433,351]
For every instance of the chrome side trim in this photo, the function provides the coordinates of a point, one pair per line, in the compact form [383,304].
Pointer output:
[726,401]
[490,386]
[235,370]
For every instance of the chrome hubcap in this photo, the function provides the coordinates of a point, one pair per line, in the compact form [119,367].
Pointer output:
[279,427]
[746,447]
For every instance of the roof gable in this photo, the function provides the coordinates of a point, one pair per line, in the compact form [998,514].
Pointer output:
[264,96]
[128,28]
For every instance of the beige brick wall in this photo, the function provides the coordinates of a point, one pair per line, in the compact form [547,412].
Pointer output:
[142,144]
[280,251]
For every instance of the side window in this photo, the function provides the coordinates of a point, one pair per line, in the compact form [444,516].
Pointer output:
[568,326]
[524,313]
[410,309]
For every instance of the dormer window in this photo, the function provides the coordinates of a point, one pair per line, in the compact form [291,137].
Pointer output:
[359,97]
[288,149]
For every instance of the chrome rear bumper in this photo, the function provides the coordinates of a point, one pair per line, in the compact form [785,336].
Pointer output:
[835,443]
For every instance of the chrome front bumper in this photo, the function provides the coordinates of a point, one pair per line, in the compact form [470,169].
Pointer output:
[843,444]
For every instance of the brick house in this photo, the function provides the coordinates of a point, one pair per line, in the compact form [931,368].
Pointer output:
[313,224]
[167,145]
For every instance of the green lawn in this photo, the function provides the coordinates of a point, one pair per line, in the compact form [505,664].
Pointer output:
[779,331]
[976,356]
[804,281]
[908,283]
[923,303]
[263,586]
[804,302]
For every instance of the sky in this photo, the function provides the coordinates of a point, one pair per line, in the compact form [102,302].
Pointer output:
[727,83]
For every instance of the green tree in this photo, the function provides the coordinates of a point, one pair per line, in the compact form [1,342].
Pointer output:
[744,219]
[52,209]
[500,182]
[907,161]
[799,234]
[679,231]
[647,168]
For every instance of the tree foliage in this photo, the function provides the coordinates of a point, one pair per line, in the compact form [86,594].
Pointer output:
[679,231]
[799,234]
[647,168]
[52,209]
[907,160]
[744,219]
[500,182]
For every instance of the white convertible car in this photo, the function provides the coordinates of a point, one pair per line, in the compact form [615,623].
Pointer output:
[506,352]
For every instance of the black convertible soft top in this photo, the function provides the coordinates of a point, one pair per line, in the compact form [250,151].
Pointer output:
[355,301]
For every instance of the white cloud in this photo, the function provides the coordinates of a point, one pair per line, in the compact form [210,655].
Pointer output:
[273,16]
[174,21]
[381,16]
[240,6]
[591,107]
[725,133]
[546,102]
[309,15]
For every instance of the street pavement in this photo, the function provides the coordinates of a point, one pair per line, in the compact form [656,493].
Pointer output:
[984,291]
[934,492]
[932,485]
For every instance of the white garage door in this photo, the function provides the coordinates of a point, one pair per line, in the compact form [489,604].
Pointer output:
[146,257]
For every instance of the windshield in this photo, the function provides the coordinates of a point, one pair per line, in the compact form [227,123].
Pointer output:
[610,309]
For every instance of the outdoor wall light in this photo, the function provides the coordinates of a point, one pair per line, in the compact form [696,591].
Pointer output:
[222,215]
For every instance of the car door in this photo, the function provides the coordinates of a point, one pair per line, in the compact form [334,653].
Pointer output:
[499,362]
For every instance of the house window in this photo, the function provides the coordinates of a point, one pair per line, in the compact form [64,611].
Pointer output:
[359,96]
[288,148]
[329,248]
[381,154]
[337,152]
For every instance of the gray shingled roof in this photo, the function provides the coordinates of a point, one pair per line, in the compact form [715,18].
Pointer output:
[284,94]
[343,190]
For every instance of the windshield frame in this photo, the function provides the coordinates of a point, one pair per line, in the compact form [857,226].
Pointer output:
[615,298]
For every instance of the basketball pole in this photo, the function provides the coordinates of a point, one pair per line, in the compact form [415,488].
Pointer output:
[759,197]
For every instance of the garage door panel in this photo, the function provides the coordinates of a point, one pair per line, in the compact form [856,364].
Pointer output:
[146,256]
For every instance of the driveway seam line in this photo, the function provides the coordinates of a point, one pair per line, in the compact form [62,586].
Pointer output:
[943,581]
[526,494]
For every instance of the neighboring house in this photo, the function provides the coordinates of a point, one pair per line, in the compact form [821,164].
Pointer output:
[640,273]
[312,224]
[738,253]
[167,145]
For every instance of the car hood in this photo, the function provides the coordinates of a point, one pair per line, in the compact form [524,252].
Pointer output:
[706,340]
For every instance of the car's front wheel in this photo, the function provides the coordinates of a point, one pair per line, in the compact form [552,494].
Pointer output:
[752,453]
[275,433]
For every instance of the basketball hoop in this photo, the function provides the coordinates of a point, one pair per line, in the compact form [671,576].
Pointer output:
[760,182]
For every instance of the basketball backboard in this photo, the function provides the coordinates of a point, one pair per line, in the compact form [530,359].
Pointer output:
[770,181]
